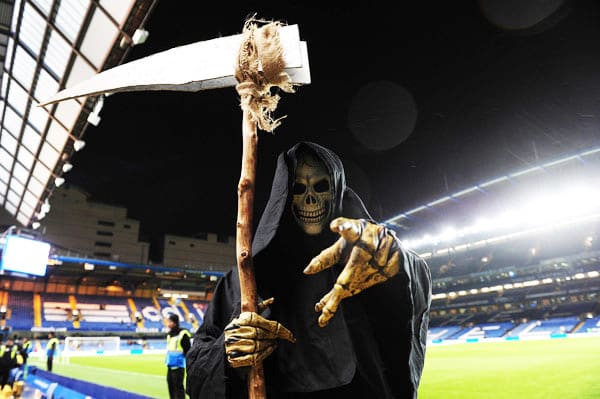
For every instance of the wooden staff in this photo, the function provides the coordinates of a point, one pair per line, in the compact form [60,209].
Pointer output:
[260,66]
[206,65]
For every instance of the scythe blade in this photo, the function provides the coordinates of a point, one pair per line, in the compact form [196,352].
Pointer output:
[198,66]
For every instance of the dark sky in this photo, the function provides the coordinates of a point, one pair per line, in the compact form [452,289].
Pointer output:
[419,101]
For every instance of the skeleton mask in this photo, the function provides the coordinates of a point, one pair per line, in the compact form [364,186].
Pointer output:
[313,195]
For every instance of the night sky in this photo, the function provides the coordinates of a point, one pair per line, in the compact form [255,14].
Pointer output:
[420,102]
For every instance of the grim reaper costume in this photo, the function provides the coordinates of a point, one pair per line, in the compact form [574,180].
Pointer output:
[370,346]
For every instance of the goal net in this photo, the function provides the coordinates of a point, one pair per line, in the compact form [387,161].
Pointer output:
[85,346]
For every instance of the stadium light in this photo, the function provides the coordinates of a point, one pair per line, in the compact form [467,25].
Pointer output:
[94,119]
[496,181]
[94,116]
[139,36]
[45,206]
[78,145]
[67,167]
[554,208]
[511,286]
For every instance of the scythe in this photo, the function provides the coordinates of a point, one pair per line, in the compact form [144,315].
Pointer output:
[254,61]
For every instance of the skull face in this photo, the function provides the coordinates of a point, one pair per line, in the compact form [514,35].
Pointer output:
[312,195]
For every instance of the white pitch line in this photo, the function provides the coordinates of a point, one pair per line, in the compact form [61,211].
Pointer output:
[112,371]
[115,371]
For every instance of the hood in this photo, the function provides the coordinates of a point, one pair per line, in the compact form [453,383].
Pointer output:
[346,203]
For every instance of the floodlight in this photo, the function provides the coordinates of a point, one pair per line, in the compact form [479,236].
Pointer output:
[94,119]
[94,116]
[45,206]
[67,167]
[59,181]
[78,145]
[98,106]
[140,36]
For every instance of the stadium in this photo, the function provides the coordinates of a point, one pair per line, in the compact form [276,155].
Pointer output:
[514,257]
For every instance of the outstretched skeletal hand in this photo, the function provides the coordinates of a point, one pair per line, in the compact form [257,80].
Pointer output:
[250,338]
[374,257]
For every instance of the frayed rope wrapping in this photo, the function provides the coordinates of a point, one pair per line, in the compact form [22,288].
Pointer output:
[259,68]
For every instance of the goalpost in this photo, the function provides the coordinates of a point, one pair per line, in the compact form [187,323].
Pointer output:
[86,346]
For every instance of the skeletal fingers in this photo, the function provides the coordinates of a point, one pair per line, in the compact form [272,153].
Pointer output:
[249,338]
[241,359]
[374,258]
[330,303]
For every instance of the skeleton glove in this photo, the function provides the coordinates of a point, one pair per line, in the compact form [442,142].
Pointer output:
[250,338]
[374,257]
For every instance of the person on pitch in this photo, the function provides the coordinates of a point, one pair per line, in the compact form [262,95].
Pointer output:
[51,350]
[178,343]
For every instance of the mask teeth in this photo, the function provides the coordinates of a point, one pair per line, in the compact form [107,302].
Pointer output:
[319,213]
[311,217]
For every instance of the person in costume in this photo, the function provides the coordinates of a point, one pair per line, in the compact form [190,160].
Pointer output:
[348,305]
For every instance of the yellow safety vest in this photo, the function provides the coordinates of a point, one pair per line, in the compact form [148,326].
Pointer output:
[51,342]
[27,346]
[13,351]
[175,356]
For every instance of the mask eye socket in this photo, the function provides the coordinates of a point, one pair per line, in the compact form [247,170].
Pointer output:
[322,186]
[298,188]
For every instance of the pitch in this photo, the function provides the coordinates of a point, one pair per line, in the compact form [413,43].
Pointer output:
[545,369]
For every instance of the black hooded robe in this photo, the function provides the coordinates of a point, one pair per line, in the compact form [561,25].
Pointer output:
[374,346]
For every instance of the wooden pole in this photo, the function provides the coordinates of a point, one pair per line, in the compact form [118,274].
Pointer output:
[260,67]
[256,379]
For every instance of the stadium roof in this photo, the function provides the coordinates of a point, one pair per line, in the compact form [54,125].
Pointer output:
[45,46]
[127,277]
[557,193]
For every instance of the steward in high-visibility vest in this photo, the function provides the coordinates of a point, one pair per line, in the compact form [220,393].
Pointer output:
[9,358]
[11,352]
[26,348]
[51,346]
[51,350]
[178,343]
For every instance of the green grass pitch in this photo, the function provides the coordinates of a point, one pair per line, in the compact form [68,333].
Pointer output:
[565,368]
[546,369]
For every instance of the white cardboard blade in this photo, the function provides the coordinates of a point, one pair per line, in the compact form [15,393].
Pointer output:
[198,66]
